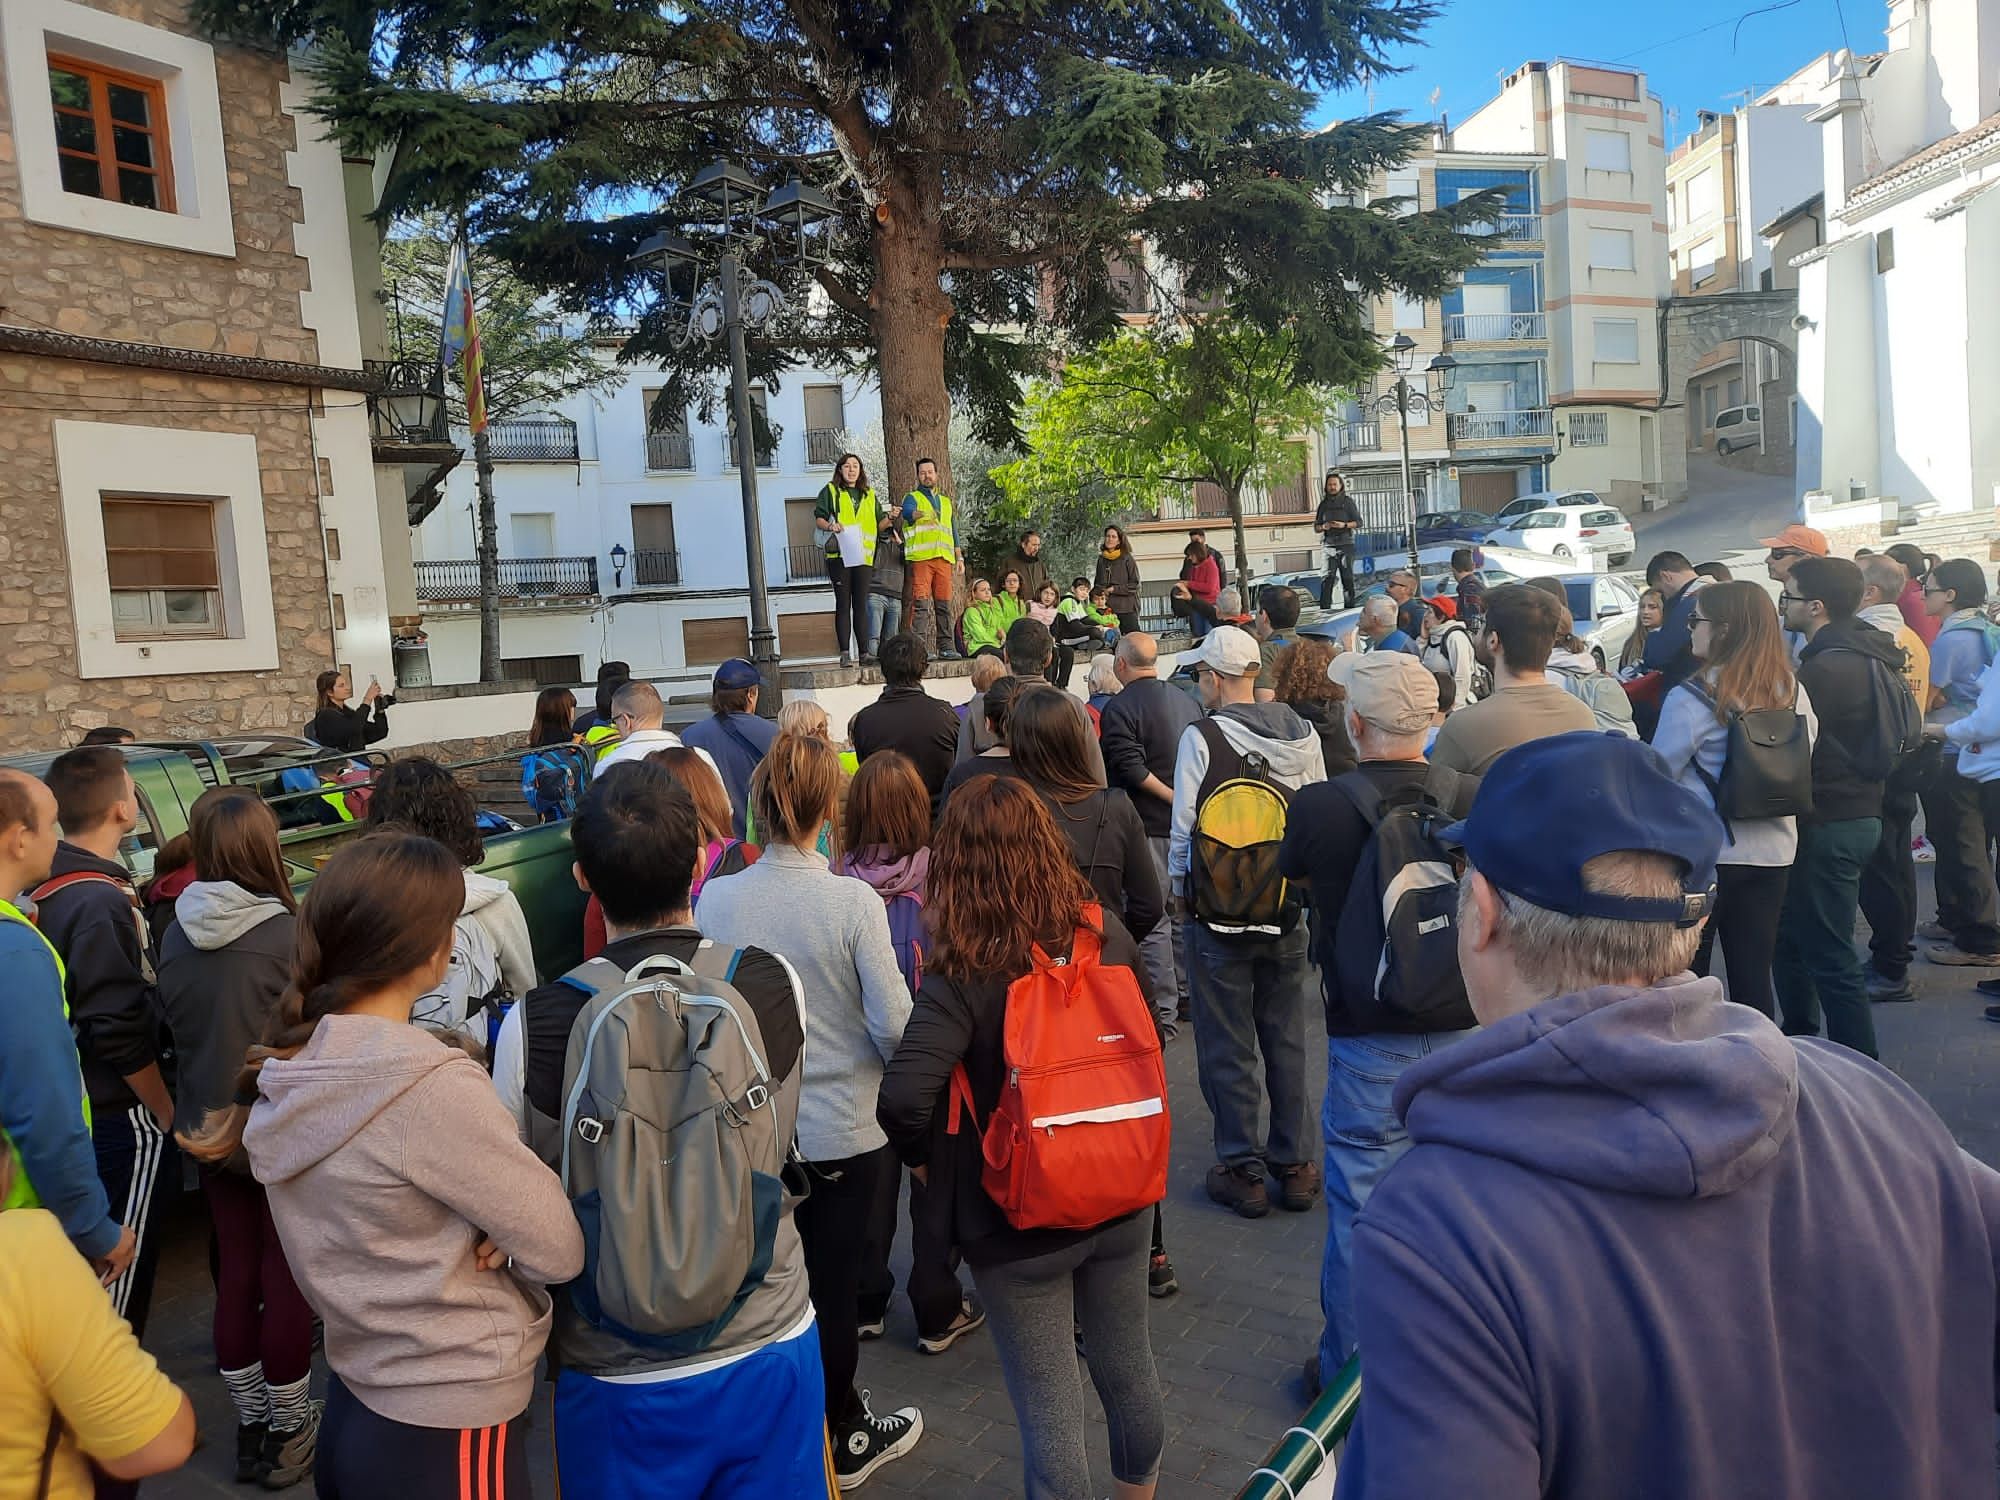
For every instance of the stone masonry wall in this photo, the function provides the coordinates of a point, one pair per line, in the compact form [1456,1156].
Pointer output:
[42,699]
[101,287]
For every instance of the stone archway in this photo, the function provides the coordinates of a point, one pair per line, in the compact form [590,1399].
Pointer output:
[1689,328]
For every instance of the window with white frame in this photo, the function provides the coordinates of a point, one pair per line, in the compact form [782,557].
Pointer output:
[1611,250]
[1615,341]
[1589,429]
[161,557]
[1407,312]
[1704,196]
[1702,259]
[1607,151]
[117,126]
[1404,185]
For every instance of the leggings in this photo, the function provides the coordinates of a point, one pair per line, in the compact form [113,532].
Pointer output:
[1033,1306]
[260,1314]
[850,604]
[363,1456]
[834,1225]
[1748,899]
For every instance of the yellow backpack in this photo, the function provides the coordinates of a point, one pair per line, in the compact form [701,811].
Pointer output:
[1234,882]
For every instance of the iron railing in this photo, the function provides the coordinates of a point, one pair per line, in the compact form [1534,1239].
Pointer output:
[1304,1449]
[1209,502]
[1511,227]
[656,567]
[805,560]
[1496,328]
[822,447]
[669,450]
[1361,437]
[532,439]
[1502,426]
[521,579]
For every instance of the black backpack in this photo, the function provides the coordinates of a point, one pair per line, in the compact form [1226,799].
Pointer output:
[1395,944]
[1767,767]
[1898,756]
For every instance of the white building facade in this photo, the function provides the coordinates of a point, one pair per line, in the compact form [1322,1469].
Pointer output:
[621,538]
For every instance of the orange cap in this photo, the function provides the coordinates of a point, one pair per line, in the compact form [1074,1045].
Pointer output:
[1804,538]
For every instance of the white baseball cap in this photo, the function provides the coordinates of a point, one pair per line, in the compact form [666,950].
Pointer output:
[1230,651]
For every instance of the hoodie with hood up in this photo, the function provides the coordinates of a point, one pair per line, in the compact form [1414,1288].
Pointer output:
[387,1156]
[1290,747]
[1645,1246]
[224,964]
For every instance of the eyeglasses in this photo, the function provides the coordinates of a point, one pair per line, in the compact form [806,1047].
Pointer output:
[1694,620]
[1932,588]
[1793,599]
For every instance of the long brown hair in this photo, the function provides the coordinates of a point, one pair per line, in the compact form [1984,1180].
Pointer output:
[711,798]
[1746,650]
[555,714]
[1001,880]
[323,686]
[234,836]
[380,910]
[794,788]
[1048,734]
[888,807]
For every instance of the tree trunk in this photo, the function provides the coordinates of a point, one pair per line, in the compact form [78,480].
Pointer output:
[1235,492]
[910,314]
[487,550]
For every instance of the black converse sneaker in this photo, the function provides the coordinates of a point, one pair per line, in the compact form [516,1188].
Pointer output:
[249,1450]
[864,1445]
[288,1456]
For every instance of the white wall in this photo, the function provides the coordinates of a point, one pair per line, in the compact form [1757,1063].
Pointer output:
[1778,167]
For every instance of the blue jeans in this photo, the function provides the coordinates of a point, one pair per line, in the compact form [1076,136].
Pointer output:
[1364,1138]
[885,618]
[1250,998]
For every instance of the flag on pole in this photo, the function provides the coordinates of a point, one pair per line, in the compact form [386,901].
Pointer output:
[461,334]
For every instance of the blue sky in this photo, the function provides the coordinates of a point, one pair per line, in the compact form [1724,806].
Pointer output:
[1475,43]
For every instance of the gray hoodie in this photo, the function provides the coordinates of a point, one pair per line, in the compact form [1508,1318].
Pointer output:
[1289,745]
[225,961]
[387,1156]
[1644,1245]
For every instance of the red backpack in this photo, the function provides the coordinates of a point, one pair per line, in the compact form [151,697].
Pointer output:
[1081,1133]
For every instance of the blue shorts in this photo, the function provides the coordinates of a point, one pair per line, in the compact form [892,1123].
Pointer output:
[751,1430]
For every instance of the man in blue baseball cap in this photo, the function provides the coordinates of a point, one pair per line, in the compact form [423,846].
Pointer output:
[733,736]
[1643,1244]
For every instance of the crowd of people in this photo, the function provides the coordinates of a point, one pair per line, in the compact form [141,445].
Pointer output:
[943,962]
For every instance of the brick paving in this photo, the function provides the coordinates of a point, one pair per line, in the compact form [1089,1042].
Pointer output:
[1229,1347]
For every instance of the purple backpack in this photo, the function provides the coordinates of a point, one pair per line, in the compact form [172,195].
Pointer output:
[906,933]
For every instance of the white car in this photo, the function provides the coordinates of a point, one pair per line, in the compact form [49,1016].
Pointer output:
[1569,532]
[1739,427]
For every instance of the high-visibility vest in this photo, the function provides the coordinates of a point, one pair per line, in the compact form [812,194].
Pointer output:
[21,1192]
[928,536]
[850,509]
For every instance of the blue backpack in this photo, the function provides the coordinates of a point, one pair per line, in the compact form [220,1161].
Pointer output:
[906,936]
[548,784]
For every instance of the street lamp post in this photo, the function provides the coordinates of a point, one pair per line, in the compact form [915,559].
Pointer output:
[726,196]
[1402,400]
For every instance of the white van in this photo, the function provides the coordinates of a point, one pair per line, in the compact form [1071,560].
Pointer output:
[1739,427]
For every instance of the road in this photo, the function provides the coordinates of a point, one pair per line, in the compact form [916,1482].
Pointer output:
[1727,511]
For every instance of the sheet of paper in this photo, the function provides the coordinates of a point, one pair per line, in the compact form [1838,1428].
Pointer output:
[852,547]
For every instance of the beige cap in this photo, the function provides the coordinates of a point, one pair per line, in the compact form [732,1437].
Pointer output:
[1390,690]
[1231,651]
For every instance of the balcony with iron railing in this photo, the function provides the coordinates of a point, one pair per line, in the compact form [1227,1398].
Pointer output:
[1514,228]
[1496,328]
[669,450]
[532,440]
[656,568]
[1533,427]
[1361,436]
[822,447]
[522,580]
[767,457]
[805,562]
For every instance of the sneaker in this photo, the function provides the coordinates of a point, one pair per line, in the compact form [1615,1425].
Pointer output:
[1235,1188]
[1951,953]
[1160,1279]
[949,655]
[970,1317]
[1298,1185]
[1993,1012]
[288,1456]
[868,658]
[846,660]
[249,1450]
[864,1445]
[1989,987]
[871,1329]
[1886,991]
[1921,850]
[1937,932]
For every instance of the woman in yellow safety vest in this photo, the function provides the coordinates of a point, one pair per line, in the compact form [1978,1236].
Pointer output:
[848,503]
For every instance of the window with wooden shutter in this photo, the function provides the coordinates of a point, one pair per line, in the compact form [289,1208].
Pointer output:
[807,635]
[111,134]
[704,643]
[166,576]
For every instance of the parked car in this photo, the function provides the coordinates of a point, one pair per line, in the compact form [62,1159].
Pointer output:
[1441,527]
[1569,532]
[1739,427]
[1541,500]
[1606,610]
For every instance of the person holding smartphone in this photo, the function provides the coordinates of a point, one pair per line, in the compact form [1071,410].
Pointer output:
[339,727]
[1337,520]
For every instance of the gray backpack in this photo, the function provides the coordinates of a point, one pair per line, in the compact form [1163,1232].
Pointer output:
[671,1149]
[1604,696]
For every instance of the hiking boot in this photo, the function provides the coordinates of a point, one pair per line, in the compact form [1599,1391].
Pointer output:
[868,1442]
[868,658]
[1951,953]
[249,1450]
[871,1328]
[1937,932]
[1298,1185]
[1886,991]
[1160,1278]
[288,1456]
[1238,1189]
[970,1316]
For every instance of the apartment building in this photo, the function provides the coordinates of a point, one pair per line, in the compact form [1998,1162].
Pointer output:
[621,533]
[191,516]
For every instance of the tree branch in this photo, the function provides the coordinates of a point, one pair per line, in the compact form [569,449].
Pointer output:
[843,295]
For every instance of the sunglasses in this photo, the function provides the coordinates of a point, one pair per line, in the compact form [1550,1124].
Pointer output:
[1777,552]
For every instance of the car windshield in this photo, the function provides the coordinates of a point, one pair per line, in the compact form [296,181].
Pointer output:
[1579,600]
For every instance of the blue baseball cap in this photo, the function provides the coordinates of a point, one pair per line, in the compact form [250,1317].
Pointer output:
[736,673]
[1547,808]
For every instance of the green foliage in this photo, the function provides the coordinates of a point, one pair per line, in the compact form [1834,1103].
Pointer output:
[532,363]
[1150,412]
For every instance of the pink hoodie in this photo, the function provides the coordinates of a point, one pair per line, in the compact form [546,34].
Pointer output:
[386,1155]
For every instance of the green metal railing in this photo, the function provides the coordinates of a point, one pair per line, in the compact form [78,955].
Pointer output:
[1304,1449]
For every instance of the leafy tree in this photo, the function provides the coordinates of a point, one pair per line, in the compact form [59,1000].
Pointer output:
[1152,411]
[991,161]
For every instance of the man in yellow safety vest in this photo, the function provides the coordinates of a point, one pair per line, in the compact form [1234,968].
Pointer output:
[930,552]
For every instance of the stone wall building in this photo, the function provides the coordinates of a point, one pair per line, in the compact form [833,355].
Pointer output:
[190,527]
